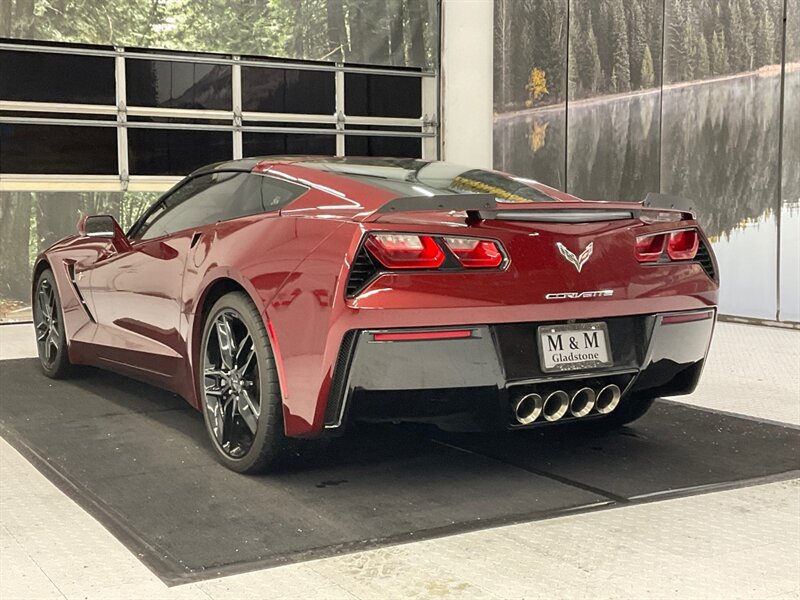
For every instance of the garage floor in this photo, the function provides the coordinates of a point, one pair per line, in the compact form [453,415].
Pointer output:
[136,461]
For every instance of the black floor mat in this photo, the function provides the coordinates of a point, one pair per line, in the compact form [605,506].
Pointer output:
[138,460]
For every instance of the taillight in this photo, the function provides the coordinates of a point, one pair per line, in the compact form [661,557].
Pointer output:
[473,253]
[649,247]
[401,251]
[682,245]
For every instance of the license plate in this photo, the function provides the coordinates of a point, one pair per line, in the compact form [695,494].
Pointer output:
[575,346]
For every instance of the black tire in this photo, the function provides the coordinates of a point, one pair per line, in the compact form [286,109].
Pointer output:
[48,319]
[629,410]
[238,447]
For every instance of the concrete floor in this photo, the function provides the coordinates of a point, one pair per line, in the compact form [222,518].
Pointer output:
[742,543]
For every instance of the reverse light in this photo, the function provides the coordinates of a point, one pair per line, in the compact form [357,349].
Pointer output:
[402,251]
[473,253]
[682,245]
[650,247]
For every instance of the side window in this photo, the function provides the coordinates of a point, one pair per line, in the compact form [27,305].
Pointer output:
[216,197]
[276,193]
[200,201]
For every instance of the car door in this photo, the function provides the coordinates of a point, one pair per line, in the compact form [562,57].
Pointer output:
[137,294]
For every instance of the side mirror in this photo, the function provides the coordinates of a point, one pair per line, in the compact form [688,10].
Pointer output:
[104,227]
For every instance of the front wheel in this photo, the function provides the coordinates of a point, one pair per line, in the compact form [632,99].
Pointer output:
[241,397]
[48,321]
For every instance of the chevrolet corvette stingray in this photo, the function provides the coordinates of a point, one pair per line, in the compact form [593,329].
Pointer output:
[286,297]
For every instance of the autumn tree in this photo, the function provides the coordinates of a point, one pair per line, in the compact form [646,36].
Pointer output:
[537,86]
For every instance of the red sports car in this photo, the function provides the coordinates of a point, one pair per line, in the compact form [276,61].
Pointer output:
[285,297]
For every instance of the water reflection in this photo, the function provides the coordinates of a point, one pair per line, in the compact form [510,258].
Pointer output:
[613,147]
[532,144]
[718,146]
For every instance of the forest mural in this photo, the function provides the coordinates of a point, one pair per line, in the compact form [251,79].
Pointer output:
[31,221]
[389,32]
[611,99]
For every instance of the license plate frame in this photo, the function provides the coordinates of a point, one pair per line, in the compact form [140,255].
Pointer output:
[576,365]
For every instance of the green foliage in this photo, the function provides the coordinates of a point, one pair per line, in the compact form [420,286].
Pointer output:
[619,40]
[719,54]
[609,41]
[397,32]
[647,77]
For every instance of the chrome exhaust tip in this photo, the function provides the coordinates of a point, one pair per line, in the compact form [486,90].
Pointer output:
[528,408]
[556,405]
[582,402]
[607,399]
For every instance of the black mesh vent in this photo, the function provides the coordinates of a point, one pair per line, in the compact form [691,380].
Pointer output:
[361,272]
[705,260]
[338,391]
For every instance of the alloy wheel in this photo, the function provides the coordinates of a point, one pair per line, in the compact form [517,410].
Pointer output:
[231,386]
[47,322]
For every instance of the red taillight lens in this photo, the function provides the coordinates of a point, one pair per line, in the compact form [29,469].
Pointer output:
[682,245]
[400,251]
[474,253]
[650,247]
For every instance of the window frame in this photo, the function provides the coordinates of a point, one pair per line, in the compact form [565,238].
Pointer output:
[135,232]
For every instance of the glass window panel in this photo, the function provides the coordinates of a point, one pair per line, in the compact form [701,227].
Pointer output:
[58,149]
[175,152]
[32,221]
[44,77]
[288,91]
[401,147]
[530,64]
[201,201]
[382,95]
[169,84]
[266,144]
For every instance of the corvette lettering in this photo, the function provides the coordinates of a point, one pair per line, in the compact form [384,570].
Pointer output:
[578,295]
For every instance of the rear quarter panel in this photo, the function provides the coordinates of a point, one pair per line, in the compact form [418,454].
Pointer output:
[289,266]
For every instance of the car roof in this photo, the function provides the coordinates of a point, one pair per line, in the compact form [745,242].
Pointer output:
[402,176]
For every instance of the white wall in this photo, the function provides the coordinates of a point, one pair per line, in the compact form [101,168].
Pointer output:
[466,72]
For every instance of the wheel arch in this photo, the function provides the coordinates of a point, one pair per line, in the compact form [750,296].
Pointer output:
[213,291]
[42,263]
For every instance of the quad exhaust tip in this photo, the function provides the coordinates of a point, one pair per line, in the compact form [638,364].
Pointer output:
[607,399]
[556,405]
[582,402]
[528,408]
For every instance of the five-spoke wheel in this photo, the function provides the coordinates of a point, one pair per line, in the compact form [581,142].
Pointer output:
[49,326]
[241,401]
[231,383]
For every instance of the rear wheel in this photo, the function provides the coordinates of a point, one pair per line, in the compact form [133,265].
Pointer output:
[241,396]
[48,320]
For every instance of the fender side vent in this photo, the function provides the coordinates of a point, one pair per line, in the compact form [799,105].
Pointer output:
[76,289]
[362,271]
[704,258]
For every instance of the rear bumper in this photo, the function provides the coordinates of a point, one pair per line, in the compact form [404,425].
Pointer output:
[468,377]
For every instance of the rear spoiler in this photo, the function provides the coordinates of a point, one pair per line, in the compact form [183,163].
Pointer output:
[455,202]
[480,207]
[665,201]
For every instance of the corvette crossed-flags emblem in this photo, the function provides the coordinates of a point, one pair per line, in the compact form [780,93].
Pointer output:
[576,261]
